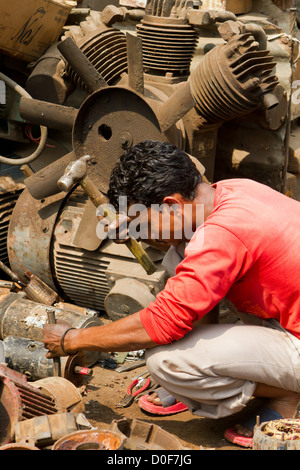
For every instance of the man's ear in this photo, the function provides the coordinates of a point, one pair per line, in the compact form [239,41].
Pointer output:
[174,199]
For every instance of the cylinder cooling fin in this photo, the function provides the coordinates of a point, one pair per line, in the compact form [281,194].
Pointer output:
[168,44]
[90,287]
[232,79]
[9,193]
[106,50]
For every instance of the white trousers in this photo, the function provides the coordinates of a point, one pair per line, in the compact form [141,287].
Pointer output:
[215,368]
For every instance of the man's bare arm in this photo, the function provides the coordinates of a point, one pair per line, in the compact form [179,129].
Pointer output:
[127,334]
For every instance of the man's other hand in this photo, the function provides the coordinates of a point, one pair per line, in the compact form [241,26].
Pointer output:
[52,338]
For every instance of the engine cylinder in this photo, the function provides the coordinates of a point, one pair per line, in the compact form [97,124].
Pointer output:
[232,80]
[106,50]
[29,358]
[168,45]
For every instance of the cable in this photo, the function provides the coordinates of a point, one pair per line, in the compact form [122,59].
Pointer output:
[44,130]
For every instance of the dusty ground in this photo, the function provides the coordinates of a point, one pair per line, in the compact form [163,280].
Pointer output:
[106,388]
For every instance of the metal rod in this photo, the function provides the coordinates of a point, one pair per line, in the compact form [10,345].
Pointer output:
[81,65]
[51,115]
[179,103]
[135,63]
[9,272]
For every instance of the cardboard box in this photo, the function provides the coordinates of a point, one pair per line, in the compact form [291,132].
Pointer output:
[235,6]
[29,27]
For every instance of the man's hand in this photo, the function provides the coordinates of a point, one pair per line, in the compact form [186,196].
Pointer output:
[52,338]
[126,334]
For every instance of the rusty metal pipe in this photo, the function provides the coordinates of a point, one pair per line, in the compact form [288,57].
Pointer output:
[81,65]
[223,15]
[269,101]
[207,17]
[47,114]
[43,183]
[46,81]
[258,34]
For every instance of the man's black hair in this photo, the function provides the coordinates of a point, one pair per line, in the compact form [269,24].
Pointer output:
[150,171]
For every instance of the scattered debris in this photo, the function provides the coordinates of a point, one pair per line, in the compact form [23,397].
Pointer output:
[281,434]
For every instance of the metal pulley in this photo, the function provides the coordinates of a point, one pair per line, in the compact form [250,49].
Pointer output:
[91,440]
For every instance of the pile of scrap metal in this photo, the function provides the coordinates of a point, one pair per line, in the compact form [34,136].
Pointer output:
[216,78]
[216,83]
[36,414]
[41,400]
[35,404]
[49,414]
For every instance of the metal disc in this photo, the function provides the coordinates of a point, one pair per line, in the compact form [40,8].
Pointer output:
[109,121]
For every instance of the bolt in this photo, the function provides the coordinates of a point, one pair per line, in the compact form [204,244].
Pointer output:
[125,308]
[229,29]
[125,139]
[112,14]
[151,288]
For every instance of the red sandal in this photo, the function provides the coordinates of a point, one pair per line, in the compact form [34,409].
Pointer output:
[169,405]
[264,413]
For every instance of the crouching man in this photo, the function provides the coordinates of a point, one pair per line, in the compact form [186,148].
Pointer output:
[237,239]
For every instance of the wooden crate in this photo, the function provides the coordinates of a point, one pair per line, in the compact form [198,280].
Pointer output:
[284,4]
[29,27]
[235,6]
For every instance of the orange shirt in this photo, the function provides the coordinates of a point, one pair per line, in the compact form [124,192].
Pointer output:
[248,250]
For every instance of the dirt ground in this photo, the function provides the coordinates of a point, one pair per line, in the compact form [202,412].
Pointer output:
[106,387]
